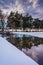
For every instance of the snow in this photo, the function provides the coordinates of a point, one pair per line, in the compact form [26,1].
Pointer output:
[35,34]
[10,55]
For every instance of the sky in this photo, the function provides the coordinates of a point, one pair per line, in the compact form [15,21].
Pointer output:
[33,7]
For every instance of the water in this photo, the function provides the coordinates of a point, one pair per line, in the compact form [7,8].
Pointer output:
[10,55]
[36,52]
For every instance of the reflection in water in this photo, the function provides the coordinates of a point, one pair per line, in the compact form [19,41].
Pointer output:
[35,44]
[31,46]
[35,53]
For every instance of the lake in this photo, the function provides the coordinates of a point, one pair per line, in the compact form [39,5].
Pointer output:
[35,52]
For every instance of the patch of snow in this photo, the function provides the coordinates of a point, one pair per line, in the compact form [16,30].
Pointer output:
[35,34]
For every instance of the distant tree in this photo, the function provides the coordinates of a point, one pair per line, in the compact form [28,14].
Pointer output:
[14,20]
[41,24]
[36,23]
[2,20]
[30,18]
[27,21]
[11,20]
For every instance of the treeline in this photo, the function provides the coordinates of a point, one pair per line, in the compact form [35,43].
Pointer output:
[18,21]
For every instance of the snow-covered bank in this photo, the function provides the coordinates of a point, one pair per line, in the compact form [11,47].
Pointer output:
[35,34]
[10,55]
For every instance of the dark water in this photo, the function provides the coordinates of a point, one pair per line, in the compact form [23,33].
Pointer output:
[36,52]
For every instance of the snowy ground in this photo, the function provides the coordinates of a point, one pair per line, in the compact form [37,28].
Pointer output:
[10,55]
[35,34]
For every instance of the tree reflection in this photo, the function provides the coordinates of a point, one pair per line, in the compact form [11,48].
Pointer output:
[25,42]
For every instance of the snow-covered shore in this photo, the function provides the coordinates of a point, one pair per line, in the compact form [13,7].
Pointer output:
[35,34]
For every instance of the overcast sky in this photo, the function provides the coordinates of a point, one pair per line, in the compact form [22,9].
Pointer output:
[33,7]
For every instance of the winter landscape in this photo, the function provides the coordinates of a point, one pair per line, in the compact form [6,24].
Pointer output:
[21,32]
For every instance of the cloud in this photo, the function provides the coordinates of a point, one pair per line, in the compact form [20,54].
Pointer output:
[18,7]
[34,3]
[33,7]
[13,7]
